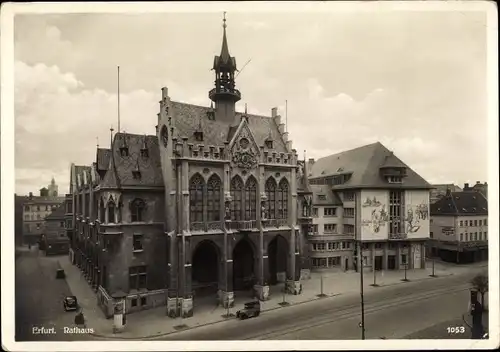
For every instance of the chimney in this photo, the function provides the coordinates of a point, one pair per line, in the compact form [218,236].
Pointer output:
[164,93]
[310,164]
[466,185]
[448,192]
[478,182]
[274,112]
[31,195]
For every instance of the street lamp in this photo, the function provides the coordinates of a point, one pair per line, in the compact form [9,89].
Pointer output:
[433,261]
[374,276]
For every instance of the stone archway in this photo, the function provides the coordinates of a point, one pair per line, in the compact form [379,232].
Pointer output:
[243,266]
[277,251]
[205,268]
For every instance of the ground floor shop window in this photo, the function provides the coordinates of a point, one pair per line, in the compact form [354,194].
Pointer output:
[137,277]
[334,261]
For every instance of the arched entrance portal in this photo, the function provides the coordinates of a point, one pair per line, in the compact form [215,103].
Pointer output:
[205,271]
[243,266]
[278,259]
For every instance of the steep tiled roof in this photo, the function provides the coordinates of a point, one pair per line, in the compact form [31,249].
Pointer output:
[103,158]
[188,117]
[323,195]
[364,165]
[121,168]
[43,200]
[461,203]
[57,214]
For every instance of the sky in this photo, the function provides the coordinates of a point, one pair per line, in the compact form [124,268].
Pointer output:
[413,80]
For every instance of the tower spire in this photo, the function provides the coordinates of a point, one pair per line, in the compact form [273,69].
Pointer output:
[224,53]
[224,94]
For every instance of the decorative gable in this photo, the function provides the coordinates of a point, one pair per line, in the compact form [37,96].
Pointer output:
[244,149]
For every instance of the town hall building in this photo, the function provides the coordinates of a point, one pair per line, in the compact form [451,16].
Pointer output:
[216,202]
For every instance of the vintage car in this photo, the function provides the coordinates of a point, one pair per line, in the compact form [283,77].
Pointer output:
[60,274]
[251,309]
[70,303]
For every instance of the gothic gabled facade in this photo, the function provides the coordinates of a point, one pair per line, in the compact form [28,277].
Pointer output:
[217,202]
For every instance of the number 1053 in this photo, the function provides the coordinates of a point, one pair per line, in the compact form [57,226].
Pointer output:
[455,329]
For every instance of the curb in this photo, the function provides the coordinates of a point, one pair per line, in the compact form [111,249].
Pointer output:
[115,336]
[315,298]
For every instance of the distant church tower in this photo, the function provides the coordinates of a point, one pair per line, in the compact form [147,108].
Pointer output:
[224,95]
[53,188]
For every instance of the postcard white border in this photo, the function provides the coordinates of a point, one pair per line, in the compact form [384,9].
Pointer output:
[8,10]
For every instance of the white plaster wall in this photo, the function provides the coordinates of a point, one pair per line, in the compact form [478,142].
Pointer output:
[417,216]
[373,225]
[440,223]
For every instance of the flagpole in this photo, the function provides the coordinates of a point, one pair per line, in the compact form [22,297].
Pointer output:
[119,99]
[286,115]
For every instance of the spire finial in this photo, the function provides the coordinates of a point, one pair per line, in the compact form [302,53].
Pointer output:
[224,25]
[111,129]
[97,139]
[245,108]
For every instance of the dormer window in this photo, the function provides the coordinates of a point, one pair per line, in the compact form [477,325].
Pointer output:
[124,151]
[395,179]
[211,115]
[198,135]
[322,197]
[269,144]
[144,152]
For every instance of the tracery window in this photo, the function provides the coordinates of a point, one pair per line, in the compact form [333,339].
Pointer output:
[102,212]
[251,199]
[213,198]
[137,208]
[196,186]
[271,198]
[236,190]
[111,211]
[282,198]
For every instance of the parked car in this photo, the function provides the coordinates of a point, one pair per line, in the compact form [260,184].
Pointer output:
[60,274]
[70,303]
[251,309]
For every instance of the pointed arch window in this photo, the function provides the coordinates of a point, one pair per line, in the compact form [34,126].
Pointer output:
[196,186]
[271,198]
[111,211]
[251,199]
[237,195]
[102,212]
[137,209]
[213,198]
[282,198]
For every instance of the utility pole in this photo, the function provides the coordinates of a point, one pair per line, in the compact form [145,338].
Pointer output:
[362,325]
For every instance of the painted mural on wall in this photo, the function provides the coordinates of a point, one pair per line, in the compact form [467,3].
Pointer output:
[414,216]
[371,202]
[379,216]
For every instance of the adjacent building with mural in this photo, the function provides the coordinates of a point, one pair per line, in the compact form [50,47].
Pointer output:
[459,227]
[367,197]
[34,211]
[216,202]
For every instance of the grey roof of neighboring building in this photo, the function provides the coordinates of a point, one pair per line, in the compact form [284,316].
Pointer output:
[330,197]
[364,165]
[461,203]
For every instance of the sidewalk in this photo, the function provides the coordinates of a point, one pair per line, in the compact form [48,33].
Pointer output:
[154,322]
